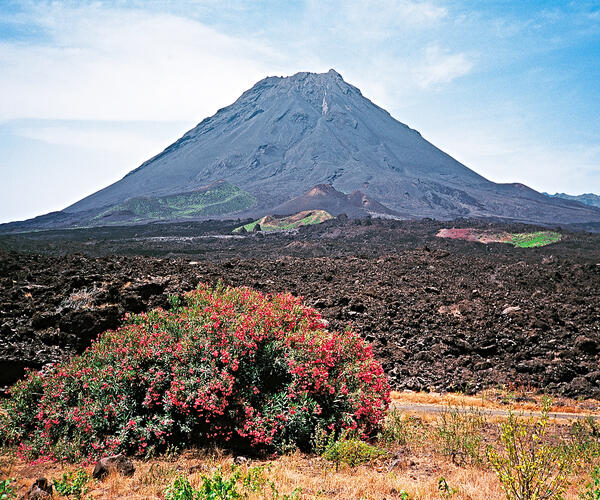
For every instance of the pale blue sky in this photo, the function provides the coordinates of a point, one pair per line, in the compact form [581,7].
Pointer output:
[89,90]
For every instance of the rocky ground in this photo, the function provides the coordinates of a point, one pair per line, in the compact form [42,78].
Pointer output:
[441,314]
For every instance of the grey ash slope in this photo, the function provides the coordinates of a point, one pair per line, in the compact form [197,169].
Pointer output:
[286,135]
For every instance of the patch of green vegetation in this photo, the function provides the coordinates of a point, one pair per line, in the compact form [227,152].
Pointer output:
[237,485]
[73,484]
[6,490]
[538,239]
[270,223]
[351,451]
[221,199]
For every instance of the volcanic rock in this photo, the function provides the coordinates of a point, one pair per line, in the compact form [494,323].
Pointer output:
[115,463]
[336,266]
[41,489]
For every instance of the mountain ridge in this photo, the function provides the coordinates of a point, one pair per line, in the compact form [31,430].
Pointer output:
[590,199]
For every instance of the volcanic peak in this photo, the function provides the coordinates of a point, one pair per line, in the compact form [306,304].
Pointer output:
[287,134]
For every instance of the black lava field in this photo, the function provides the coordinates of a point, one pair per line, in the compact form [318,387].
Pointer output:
[441,314]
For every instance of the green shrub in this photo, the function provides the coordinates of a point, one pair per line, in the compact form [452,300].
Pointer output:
[219,487]
[592,490]
[237,485]
[73,484]
[530,467]
[181,489]
[231,365]
[351,451]
[458,433]
[6,490]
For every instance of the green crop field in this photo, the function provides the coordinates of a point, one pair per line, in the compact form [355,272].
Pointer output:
[539,239]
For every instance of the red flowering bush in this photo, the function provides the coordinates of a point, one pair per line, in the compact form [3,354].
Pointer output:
[232,365]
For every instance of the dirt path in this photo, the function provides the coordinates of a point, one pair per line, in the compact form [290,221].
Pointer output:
[441,408]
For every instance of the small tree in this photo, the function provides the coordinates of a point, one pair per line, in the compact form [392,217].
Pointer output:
[529,466]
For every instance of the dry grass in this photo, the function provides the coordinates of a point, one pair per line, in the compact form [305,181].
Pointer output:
[414,466]
[418,476]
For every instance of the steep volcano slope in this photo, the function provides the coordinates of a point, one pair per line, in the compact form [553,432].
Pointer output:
[285,135]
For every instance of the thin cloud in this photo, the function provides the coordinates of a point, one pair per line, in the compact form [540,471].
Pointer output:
[380,19]
[93,139]
[441,67]
[125,65]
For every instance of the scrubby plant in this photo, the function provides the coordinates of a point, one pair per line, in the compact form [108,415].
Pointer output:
[6,490]
[351,451]
[157,474]
[236,486]
[592,489]
[393,429]
[256,480]
[73,484]
[231,365]
[220,487]
[530,466]
[401,428]
[586,438]
[445,489]
[459,434]
[181,489]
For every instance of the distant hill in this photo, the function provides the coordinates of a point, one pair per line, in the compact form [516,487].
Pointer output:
[288,134]
[593,200]
[326,197]
[283,223]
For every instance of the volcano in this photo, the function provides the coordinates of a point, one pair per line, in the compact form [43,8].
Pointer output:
[287,135]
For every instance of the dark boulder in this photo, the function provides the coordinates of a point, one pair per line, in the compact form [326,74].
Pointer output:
[41,489]
[586,344]
[116,463]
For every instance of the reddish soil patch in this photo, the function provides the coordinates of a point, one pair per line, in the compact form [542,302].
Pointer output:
[470,234]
